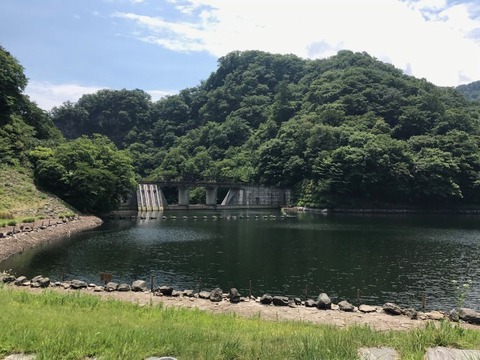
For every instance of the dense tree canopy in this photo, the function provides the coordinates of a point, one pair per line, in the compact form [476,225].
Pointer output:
[343,131]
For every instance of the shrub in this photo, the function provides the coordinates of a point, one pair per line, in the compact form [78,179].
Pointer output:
[28,220]
[12,223]
[6,215]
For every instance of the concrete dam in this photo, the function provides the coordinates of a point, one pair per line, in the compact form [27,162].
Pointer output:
[150,196]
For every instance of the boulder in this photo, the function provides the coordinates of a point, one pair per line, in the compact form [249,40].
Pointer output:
[165,290]
[139,285]
[469,315]
[410,312]
[367,308]
[280,300]
[176,293]
[111,286]
[297,301]
[216,295]
[203,294]
[291,303]
[7,278]
[435,315]
[78,284]
[266,299]
[324,302]
[453,315]
[124,287]
[392,309]
[21,280]
[188,293]
[345,306]
[234,296]
[310,303]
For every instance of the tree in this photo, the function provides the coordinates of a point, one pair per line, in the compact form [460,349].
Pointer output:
[89,173]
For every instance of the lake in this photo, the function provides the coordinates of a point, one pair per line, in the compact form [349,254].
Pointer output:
[380,258]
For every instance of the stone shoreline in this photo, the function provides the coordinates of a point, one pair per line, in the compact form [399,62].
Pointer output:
[16,239]
[278,308]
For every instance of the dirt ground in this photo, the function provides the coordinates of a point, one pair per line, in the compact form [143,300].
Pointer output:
[55,228]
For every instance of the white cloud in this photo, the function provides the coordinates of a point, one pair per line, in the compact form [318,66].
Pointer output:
[48,95]
[158,94]
[430,38]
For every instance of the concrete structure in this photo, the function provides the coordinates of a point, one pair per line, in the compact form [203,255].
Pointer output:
[150,196]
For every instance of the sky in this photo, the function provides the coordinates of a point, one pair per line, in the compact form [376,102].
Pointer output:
[73,47]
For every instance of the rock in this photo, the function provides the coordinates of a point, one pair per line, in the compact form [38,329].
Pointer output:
[78,284]
[435,315]
[124,287]
[98,288]
[234,296]
[266,299]
[188,293]
[310,303]
[280,300]
[297,301]
[453,315]
[21,280]
[66,285]
[203,294]
[410,312]
[176,293]
[291,304]
[111,286]
[139,285]
[392,309]
[324,302]
[7,278]
[216,295]
[367,308]
[345,306]
[165,290]
[383,353]
[40,282]
[469,315]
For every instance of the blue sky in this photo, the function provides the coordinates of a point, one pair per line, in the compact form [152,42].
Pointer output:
[72,47]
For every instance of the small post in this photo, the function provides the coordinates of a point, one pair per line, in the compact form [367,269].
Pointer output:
[250,288]
[151,282]
[306,292]
[424,301]
[358,297]
[63,275]
[199,284]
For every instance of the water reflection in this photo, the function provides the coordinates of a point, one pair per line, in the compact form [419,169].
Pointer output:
[388,258]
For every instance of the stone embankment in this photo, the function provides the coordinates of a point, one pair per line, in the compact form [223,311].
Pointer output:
[15,239]
[320,310]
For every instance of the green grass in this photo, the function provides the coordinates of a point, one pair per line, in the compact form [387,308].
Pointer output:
[73,326]
[20,199]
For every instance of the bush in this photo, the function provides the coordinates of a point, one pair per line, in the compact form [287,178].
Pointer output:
[28,220]
[12,223]
[6,215]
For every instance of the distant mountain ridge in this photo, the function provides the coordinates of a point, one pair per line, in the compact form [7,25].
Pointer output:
[470,91]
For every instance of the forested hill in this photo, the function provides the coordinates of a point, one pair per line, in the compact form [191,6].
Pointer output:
[470,91]
[347,130]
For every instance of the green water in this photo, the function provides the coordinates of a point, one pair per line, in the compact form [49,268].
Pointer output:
[387,258]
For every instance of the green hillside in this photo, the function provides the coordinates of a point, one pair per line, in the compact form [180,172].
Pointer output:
[349,130]
[36,161]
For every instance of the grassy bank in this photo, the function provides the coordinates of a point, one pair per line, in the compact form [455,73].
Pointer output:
[21,201]
[73,326]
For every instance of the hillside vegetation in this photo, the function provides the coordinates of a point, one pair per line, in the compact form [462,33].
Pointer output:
[88,173]
[348,130]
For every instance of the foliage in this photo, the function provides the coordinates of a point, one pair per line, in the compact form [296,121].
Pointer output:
[89,173]
[348,129]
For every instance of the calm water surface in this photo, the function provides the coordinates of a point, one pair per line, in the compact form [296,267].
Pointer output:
[388,258]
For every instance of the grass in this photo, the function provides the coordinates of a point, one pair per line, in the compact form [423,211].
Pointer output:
[73,326]
[20,199]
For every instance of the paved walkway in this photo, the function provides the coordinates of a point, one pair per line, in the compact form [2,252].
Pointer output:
[437,353]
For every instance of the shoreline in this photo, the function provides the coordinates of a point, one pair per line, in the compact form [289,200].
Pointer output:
[16,239]
[377,319]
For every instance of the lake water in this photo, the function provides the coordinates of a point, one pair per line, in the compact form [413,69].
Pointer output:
[387,258]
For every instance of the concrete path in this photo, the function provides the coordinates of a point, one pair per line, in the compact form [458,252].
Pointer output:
[437,353]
